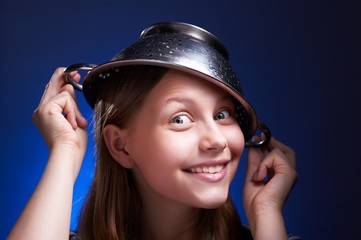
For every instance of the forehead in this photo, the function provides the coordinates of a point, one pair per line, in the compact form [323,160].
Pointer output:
[179,82]
[183,89]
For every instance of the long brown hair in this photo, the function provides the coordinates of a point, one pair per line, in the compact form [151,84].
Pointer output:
[113,205]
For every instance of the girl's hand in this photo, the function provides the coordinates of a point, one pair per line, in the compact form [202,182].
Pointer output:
[269,179]
[59,120]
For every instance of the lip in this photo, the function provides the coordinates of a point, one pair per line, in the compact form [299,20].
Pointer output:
[208,164]
[206,176]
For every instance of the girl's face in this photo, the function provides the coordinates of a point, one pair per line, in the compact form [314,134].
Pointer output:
[185,142]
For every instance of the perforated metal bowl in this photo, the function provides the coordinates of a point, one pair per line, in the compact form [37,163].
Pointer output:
[184,47]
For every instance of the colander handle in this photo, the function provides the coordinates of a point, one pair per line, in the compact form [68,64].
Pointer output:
[76,67]
[266,138]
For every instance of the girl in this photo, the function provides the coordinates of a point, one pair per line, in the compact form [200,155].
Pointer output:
[170,126]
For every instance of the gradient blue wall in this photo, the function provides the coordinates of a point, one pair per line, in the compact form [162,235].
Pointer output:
[298,62]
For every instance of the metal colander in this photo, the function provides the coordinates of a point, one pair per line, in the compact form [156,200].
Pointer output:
[184,47]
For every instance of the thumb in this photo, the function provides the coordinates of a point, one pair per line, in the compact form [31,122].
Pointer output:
[254,158]
[250,188]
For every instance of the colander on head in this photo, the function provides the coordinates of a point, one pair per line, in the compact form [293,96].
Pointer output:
[184,47]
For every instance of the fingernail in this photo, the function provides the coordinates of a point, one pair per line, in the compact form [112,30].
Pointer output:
[73,73]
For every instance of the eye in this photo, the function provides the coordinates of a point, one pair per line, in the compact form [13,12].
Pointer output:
[181,119]
[224,114]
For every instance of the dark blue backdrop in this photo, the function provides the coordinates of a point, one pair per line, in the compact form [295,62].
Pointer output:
[298,62]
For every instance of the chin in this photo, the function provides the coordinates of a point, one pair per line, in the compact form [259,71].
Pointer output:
[213,202]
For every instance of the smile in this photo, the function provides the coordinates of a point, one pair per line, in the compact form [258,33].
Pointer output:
[208,169]
[210,173]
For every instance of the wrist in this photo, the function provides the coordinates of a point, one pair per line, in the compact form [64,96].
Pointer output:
[267,224]
[67,159]
[68,149]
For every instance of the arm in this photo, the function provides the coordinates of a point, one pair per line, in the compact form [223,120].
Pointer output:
[264,200]
[47,214]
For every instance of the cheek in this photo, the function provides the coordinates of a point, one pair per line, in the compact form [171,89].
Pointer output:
[236,141]
[161,151]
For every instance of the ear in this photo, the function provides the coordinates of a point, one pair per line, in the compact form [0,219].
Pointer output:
[115,139]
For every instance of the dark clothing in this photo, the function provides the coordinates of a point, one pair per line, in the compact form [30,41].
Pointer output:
[246,233]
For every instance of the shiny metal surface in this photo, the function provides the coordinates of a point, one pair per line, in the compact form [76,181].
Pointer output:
[184,47]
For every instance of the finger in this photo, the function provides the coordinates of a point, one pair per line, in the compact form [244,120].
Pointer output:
[70,109]
[289,152]
[81,121]
[276,162]
[254,159]
[70,89]
[62,105]
[278,185]
[251,187]
[56,83]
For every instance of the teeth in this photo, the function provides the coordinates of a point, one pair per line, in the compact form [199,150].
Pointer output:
[210,169]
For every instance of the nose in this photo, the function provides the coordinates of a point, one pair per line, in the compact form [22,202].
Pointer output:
[212,139]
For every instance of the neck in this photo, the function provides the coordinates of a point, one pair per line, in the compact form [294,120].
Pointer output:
[163,221]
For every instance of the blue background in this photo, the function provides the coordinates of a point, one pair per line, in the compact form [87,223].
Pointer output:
[299,63]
